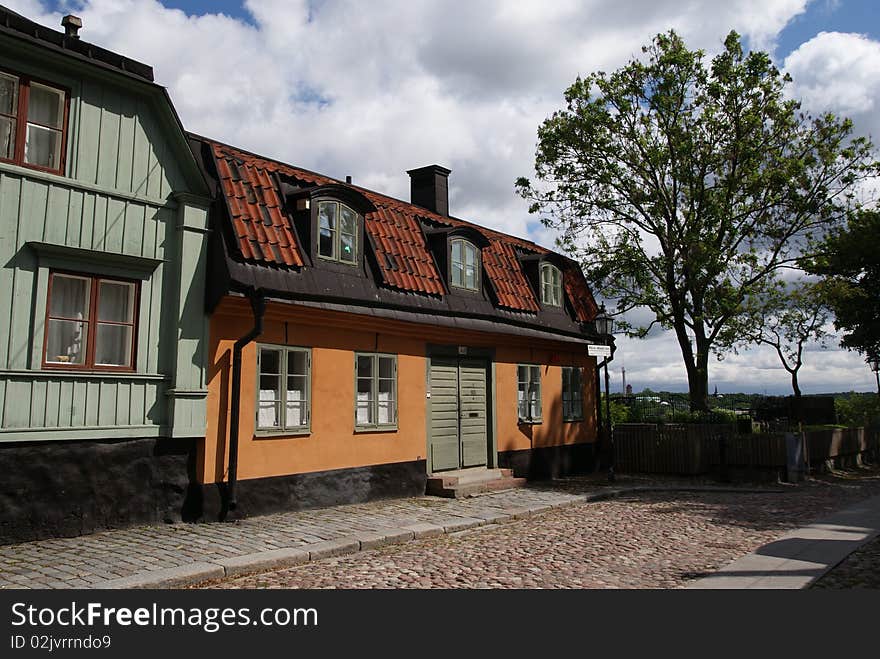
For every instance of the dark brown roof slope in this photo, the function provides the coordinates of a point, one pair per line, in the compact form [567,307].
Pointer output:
[17,26]
[264,235]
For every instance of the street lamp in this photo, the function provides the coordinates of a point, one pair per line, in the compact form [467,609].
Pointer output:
[875,366]
[604,325]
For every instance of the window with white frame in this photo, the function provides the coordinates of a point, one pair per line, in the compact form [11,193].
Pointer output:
[551,285]
[572,393]
[376,391]
[90,322]
[337,232]
[465,265]
[529,393]
[283,399]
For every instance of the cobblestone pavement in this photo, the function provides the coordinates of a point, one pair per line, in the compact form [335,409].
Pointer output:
[95,559]
[860,570]
[645,540]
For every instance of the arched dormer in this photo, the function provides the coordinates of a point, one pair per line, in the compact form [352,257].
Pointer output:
[551,285]
[544,271]
[329,219]
[458,253]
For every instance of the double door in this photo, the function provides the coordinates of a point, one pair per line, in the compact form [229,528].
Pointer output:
[458,413]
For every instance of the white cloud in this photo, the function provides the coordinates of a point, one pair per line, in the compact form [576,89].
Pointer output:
[374,88]
[839,72]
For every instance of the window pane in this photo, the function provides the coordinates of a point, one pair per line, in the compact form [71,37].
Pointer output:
[457,274]
[270,361]
[7,137]
[386,367]
[45,106]
[66,342]
[364,413]
[470,277]
[456,252]
[268,409]
[42,146]
[115,301]
[297,387]
[70,297]
[386,412]
[535,401]
[470,254]
[347,220]
[365,397]
[386,390]
[347,248]
[325,243]
[297,362]
[8,94]
[327,229]
[364,366]
[296,415]
[113,345]
[327,215]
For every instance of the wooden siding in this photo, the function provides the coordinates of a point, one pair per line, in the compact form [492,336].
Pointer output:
[118,145]
[64,400]
[116,198]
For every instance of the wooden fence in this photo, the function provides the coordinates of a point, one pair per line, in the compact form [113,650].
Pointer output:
[693,449]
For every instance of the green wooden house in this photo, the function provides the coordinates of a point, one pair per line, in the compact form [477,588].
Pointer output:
[103,223]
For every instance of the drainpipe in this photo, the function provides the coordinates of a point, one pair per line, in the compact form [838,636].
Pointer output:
[258,306]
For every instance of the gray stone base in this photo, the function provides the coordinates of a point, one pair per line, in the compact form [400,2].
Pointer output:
[550,462]
[64,489]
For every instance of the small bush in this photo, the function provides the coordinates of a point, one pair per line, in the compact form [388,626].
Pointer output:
[857,410]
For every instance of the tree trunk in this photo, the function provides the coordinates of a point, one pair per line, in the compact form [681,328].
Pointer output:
[794,384]
[698,387]
[697,366]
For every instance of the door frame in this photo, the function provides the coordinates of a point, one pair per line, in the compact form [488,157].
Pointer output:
[484,354]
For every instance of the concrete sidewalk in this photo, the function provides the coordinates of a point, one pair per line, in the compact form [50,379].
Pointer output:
[800,557]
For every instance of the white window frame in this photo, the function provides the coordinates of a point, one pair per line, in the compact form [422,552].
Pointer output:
[478,266]
[572,397]
[283,428]
[337,233]
[374,401]
[525,415]
[551,278]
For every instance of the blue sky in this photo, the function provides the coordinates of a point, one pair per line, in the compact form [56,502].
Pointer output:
[373,88]
[859,16]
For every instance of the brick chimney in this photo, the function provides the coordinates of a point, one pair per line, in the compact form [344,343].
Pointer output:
[429,188]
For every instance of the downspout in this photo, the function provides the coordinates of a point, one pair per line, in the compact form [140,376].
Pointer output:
[258,306]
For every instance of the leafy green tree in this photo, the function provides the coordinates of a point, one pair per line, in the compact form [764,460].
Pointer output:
[849,263]
[788,319]
[686,187]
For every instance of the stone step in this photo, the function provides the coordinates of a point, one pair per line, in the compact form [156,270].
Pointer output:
[454,485]
[473,475]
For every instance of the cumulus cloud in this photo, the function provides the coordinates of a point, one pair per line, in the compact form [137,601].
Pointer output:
[372,89]
[839,72]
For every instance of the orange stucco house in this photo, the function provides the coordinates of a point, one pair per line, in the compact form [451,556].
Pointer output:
[359,343]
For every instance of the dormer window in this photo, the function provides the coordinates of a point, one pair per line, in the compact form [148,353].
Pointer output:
[337,232]
[465,265]
[551,285]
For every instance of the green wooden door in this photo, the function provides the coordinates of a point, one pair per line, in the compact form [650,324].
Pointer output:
[458,414]
[472,412]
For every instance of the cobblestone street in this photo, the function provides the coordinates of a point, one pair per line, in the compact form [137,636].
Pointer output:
[645,540]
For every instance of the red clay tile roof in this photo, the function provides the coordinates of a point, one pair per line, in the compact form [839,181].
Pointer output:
[265,235]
